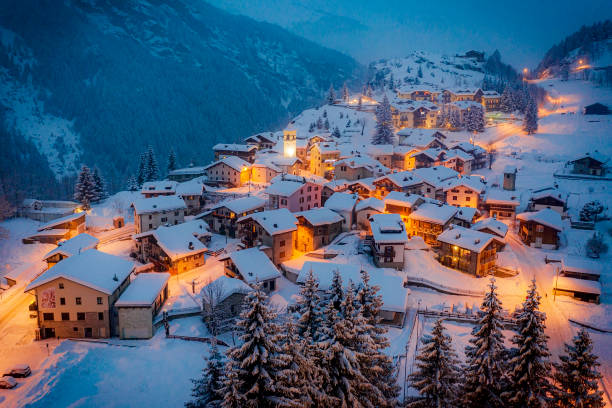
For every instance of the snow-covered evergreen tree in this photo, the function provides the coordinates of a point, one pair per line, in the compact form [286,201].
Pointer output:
[151,168]
[384,123]
[309,308]
[376,365]
[336,133]
[326,124]
[99,186]
[343,382]
[311,128]
[335,293]
[141,175]
[595,246]
[506,103]
[132,184]
[484,374]
[331,95]
[6,208]
[345,93]
[206,391]
[529,367]
[257,360]
[369,91]
[455,119]
[530,121]
[577,376]
[475,119]
[171,165]
[437,373]
[420,72]
[85,189]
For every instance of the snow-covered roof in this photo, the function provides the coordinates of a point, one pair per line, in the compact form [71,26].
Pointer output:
[434,213]
[359,161]
[267,163]
[181,240]
[370,202]
[143,290]
[435,175]
[466,214]
[320,216]
[573,263]
[157,204]
[545,216]
[234,147]
[97,270]
[159,187]
[400,199]
[496,196]
[367,183]
[548,192]
[466,104]
[242,205]
[576,285]
[189,188]
[234,162]
[391,288]
[187,171]
[457,154]
[416,243]
[339,184]
[74,245]
[464,91]
[490,94]
[283,188]
[474,183]
[227,287]
[342,201]
[509,169]
[595,155]
[62,220]
[254,265]
[261,137]
[492,224]
[326,147]
[433,153]
[274,221]
[379,150]
[419,137]
[466,238]
[408,105]
[388,228]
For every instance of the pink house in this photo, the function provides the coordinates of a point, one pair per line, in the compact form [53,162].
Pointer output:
[294,195]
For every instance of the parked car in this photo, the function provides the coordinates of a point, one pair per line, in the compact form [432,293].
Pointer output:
[20,370]
[7,382]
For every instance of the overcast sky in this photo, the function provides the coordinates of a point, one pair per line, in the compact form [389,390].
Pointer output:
[372,29]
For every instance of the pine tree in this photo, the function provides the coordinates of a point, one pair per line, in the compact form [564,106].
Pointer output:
[369,91]
[335,293]
[345,93]
[171,161]
[529,368]
[309,308]
[336,133]
[420,72]
[85,190]
[437,374]
[132,184]
[299,379]
[484,371]
[530,122]
[326,124]
[152,171]
[319,123]
[311,128]
[384,123]
[376,366]
[576,375]
[475,119]
[206,391]
[6,208]
[99,186]
[343,382]
[331,95]
[506,103]
[455,119]
[257,360]
[141,176]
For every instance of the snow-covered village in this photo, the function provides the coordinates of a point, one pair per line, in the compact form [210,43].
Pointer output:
[429,228]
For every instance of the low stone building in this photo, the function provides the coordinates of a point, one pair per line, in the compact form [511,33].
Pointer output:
[139,303]
[76,298]
[316,228]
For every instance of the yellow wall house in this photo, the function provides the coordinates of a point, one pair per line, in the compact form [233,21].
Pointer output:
[139,304]
[76,298]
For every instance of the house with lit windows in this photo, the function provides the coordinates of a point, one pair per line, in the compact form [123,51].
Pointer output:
[468,250]
[295,194]
[317,228]
[229,171]
[150,213]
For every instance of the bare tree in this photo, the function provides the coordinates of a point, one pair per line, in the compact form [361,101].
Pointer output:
[212,295]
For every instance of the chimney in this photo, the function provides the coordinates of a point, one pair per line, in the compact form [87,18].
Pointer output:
[477,241]
[190,245]
[457,236]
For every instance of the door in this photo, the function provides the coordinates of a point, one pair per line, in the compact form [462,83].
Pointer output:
[88,332]
[49,332]
[538,242]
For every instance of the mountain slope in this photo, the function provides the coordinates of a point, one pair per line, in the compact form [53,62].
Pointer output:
[97,81]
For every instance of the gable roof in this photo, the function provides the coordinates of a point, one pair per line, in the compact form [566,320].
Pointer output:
[181,240]
[545,216]
[254,265]
[274,221]
[143,290]
[92,268]
[62,220]
[74,245]
[234,162]
[228,287]
[284,188]
[474,183]
[492,224]
[473,240]
[234,147]
[388,228]
[466,213]
[320,216]
[435,213]
[158,187]
[370,202]
[191,187]
[400,199]
[496,196]
[242,205]
[156,204]
[342,201]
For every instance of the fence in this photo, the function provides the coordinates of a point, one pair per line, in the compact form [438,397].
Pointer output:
[507,322]
[176,314]
[422,282]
